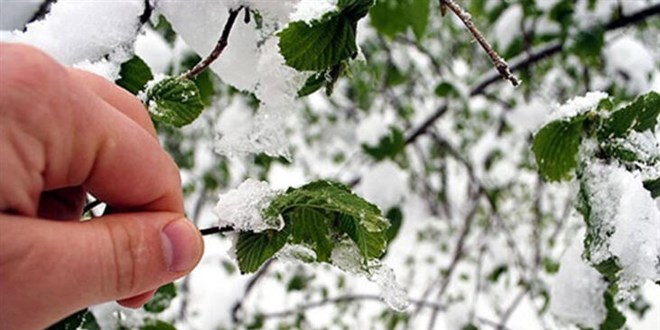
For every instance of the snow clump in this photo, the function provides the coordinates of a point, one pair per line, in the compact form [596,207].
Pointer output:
[242,207]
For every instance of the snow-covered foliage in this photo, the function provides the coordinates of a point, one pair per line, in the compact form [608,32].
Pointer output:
[419,124]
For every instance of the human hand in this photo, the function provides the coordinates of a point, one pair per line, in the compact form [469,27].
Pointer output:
[64,133]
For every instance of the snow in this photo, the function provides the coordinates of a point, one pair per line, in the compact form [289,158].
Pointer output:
[242,207]
[296,253]
[577,294]
[373,128]
[385,185]
[577,105]
[507,27]
[86,31]
[627,222]
[630,59]
[252,62]
[154,50]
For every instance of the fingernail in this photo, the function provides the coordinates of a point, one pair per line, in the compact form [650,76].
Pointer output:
[181,245]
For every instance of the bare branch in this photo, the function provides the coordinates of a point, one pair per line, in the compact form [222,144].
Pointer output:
[343,299]
[500,64]
[219,47]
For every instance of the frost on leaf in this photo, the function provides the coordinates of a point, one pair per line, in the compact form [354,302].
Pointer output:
[173,101]
[622,223]
[242,208]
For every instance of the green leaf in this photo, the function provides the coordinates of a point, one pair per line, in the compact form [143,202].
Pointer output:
[319,44]
[389,146]
[609,268]
[588,44]
[614,319]
[391,17]
[161,299]
[174,101]
[642,114]
[653,186]
[156,325]
[556,146]
[395,216]
[80,320]
[312,84]
[253,249]
[325,42]
[335,205]
[445,89]
[311,226]
[134,75]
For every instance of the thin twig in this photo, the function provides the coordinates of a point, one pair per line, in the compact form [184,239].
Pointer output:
[346,298]
[215,230]
[500,64]
[248,288]
[219,47]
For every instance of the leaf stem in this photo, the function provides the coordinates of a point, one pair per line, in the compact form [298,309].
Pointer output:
[219,47]
[500,64]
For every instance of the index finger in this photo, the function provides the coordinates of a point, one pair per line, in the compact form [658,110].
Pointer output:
[75,138]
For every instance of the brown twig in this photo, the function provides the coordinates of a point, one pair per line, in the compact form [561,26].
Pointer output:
[219,47]
[500,64]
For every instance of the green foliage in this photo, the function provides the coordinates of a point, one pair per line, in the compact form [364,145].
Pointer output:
[326,42]
[588,44]
[614,319]
[253,249]
[316,215]
[161,299]
[556,146]
[410,14]
[389,145]
[134,75]
[157,325]
[174,101]
[653,186]
[642,114]
[80,320]
[395,216]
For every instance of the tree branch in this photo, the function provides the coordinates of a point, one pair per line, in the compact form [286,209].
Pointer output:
[524,61]
[500,64]
[215,230]
[346,298]
[219,47]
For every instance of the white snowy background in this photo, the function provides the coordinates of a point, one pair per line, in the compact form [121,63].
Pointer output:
[99,35]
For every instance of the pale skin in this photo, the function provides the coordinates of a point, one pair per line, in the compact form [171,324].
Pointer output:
[64,133]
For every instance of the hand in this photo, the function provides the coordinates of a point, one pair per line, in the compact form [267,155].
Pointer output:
[64,133]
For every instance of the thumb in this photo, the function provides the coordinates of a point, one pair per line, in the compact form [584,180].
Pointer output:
[53,268]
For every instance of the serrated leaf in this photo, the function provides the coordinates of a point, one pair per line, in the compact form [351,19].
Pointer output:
[161,299]
[134,75]
[355,9]
[413,14]
[311,226]
[320,44]
[642,114]
[556,146]
[334,202]
[253,249]
[174,101]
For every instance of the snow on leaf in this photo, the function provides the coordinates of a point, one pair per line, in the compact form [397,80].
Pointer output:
[174,101]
